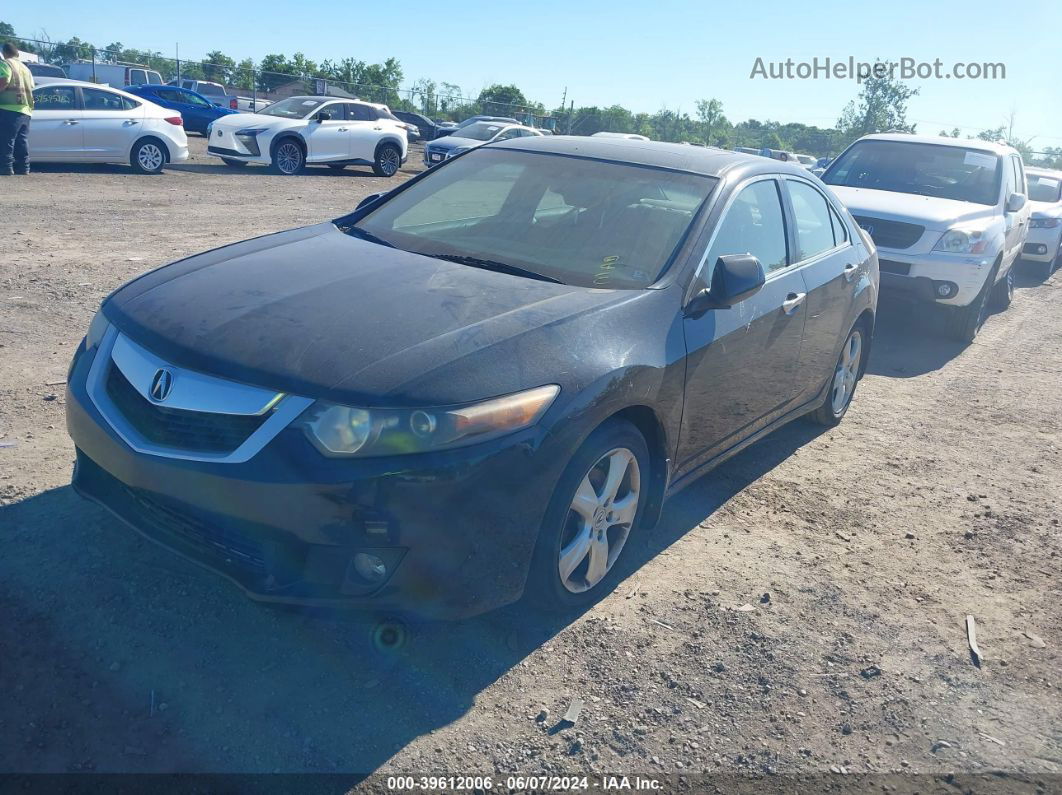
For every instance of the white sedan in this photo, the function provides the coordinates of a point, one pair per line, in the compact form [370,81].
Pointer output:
[300,131]
[79,122]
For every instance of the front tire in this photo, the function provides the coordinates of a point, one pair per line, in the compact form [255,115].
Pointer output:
[594,510]
[288,157]
[148,156]
[388,160]
[964,322]
[1003,291]
[845,379]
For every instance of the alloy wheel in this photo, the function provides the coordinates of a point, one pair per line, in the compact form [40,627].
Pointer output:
[289,157]
[847,373]
[390,160]
[150,157]
[599,520]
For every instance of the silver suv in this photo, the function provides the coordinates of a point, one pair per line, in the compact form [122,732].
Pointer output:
[949,218]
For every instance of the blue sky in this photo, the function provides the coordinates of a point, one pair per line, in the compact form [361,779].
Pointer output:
[644,55]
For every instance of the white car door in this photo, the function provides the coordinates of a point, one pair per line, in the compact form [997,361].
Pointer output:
[326,138]
[364,131]
[111,124]
[56,129]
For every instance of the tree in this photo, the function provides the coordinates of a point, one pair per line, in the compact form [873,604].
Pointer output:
[880,106]
[7,33]
[709,111]
[275,70]
[502,99]
[218,67]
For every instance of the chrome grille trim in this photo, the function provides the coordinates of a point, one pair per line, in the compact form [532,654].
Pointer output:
[214,396]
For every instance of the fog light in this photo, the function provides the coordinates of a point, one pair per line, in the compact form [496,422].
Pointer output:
[1041,248]
[946,289]
[370,567]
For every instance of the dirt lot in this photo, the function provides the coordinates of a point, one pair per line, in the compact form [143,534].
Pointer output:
[859,552]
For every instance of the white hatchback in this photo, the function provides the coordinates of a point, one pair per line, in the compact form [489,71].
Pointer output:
[79,122]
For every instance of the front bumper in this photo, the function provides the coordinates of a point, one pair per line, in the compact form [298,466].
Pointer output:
[1049,239]
[457,529]
[919,276]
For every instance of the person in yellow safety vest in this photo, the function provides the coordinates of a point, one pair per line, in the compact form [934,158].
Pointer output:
[16,104]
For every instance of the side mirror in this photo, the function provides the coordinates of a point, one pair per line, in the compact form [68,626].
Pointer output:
[369,200]
[735,278]
[1015,202]
[324,115]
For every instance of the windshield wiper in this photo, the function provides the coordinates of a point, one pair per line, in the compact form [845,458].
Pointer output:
[494,265]
[357,231]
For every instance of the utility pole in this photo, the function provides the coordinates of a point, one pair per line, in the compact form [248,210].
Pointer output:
[177,50]
[571,116]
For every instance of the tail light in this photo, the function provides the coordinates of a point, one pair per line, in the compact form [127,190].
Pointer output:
[177,120]
[233,104]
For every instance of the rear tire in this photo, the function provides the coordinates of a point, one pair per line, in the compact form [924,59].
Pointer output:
[845,378]
[148,156]
[228,161]
[289,158]
[388,160]
[578,519]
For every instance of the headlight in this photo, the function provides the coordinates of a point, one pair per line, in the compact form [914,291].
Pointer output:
[97,328]
[1045,223]
[962,241]
[348,431]
[251,131]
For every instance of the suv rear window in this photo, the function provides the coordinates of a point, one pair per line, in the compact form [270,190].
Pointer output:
[946,172]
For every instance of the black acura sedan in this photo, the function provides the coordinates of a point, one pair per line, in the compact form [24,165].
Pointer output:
[478,385]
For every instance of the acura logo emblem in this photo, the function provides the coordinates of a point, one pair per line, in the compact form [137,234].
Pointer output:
[161,385]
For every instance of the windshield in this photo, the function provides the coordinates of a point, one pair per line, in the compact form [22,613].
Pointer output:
[292,108]
[480,131]
[582,222]
[1044,188]
[946,172]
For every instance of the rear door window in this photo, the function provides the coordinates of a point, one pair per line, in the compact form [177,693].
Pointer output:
[55,98]
[814,226]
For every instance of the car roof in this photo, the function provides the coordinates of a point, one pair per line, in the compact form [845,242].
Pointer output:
[1043,172]
[659,154]
[943,140]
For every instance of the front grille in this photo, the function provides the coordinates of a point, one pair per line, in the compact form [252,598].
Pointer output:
[194,431]
[892,266]
[890,234]
[216,541]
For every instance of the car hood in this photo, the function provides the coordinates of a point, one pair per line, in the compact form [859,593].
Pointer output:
[316,312]
[935,214]
[1046,209]
[239,121]
[455,141]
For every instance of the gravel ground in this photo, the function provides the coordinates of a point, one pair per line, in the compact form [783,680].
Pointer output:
[801,610]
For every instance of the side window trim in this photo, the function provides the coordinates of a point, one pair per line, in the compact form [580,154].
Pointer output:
[734,193]
[791,223]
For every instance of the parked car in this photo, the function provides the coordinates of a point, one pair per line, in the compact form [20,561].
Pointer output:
[78,122]
[118,75]
[949,218]
[300,131]
[628,136]
[484,383]
[45,70]
[471,136]
[1044,242]
[426,128]
[474,119]
[196,110]
[219,95]
[807,161]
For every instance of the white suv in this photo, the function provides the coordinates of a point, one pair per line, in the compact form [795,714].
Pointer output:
[949,218]
[300,131]
[1044,245]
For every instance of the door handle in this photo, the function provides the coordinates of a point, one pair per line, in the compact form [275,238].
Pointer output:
[342,129]
[71,122]
[849,271]
[792,302]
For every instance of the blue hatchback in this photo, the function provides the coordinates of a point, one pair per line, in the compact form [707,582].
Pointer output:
[198,111]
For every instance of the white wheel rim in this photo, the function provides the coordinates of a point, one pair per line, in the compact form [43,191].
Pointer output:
[150,157]
[599,520]
[288,158]
[847,372]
